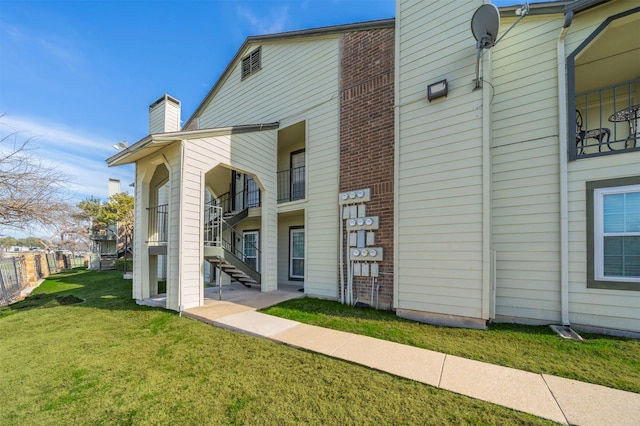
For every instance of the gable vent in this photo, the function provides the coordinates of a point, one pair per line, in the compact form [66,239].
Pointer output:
[251,63]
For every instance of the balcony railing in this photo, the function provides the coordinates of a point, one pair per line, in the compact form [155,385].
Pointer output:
[605,120]
[291,185]
[244,199]
[158,224]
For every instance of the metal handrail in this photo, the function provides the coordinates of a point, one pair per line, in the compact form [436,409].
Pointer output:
[214,227]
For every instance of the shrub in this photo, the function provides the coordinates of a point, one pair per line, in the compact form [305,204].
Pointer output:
[119,264]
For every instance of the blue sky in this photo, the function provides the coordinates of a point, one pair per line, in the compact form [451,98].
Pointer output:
[78,76]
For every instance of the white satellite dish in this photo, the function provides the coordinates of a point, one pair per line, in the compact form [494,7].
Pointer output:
[485,25]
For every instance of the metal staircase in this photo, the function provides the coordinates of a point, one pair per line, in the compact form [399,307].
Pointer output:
[220,251]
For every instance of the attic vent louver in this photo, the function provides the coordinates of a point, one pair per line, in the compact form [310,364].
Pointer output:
[251,63]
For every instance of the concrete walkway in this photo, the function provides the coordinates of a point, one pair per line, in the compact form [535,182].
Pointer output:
[562,400]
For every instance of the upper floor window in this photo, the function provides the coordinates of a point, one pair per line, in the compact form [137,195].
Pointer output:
[251,63]
[604,89]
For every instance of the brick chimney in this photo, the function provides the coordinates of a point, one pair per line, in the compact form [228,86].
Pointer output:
[164,115]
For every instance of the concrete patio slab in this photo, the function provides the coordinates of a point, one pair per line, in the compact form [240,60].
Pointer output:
[255,323]
[317,339]
[504,386]
[405,361]
[252,297]
[586,404]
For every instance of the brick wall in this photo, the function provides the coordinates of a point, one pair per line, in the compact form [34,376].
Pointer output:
[367,140]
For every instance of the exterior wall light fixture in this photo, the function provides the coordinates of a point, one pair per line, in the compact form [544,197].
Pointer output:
[437,90]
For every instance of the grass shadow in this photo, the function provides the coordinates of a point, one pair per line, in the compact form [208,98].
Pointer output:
[95,289]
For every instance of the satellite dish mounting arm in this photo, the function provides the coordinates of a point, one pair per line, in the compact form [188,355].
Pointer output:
[484,42]
[522,11]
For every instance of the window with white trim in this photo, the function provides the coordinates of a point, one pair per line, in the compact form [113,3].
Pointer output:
[616,234]
[296,253]
[251,63]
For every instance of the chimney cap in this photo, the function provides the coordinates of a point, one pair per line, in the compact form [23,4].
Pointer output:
[164,98]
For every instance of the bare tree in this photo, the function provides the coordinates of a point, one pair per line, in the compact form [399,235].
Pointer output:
[70,231]
[31,192]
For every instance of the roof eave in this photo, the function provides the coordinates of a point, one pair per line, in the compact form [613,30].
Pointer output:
[128,155]
[546,8]
[578,6]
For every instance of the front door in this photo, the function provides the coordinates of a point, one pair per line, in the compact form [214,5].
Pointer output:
[250,244]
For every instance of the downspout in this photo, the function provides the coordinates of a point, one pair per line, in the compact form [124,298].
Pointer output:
[564,178]
[488,296]
[341,253]
[180,233]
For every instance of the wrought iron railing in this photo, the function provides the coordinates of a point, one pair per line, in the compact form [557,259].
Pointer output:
[291,184]
[247,198]
[158,224]
[605,120]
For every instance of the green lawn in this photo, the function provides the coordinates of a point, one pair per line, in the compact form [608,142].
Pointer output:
[608,361]
[108,361]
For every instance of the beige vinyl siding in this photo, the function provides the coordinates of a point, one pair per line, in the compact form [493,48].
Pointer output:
[157,118]
[173,239]
[295,76]
[145,169]
[439,163]
[139,232]
[525,171]
[321,209]
[250,152]
[298,81]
